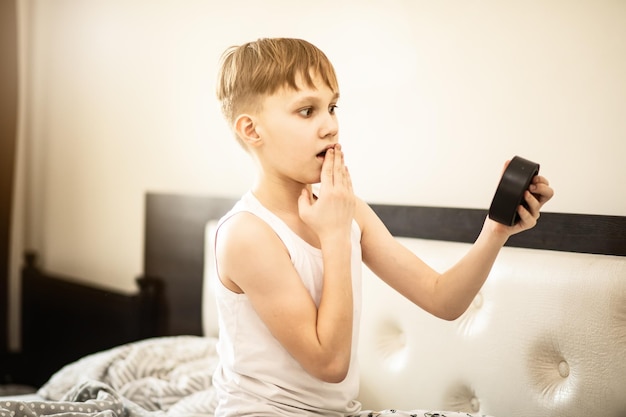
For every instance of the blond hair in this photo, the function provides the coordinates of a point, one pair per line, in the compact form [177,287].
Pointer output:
[256,69]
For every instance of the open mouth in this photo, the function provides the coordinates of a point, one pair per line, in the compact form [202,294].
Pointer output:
[323,153]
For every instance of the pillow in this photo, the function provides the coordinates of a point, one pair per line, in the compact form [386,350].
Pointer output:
[209,306]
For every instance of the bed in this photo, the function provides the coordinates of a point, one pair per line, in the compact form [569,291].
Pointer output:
[546,336]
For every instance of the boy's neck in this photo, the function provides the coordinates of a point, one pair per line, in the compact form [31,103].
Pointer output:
[279,199]
[283,202]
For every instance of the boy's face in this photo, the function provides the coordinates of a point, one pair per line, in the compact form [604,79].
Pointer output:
[296,127]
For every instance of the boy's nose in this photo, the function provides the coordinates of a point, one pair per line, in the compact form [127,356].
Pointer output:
[329,127]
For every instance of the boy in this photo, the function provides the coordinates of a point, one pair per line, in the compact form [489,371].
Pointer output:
[289,259]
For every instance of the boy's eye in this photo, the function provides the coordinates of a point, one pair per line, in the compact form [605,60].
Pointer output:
[306,112]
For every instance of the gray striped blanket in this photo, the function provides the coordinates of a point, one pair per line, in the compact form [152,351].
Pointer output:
[169,376]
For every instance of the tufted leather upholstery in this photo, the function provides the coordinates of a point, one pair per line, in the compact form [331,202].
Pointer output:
[546,336]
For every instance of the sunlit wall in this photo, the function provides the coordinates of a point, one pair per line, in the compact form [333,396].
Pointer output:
[117,98]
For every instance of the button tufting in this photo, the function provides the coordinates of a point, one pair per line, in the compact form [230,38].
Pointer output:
[461,397]
[550,372]
[563,369]
[476,318]
[392,345]
[475,405]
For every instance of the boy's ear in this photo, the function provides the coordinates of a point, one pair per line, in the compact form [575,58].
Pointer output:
[245,127]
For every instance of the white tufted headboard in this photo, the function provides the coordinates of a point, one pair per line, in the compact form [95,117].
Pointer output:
[546,336]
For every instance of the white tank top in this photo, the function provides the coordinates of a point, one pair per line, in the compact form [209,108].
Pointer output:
[256,375]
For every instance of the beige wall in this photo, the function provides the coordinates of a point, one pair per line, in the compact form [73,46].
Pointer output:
[117,99]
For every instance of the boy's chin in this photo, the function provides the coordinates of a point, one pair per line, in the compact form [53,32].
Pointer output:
[312,180]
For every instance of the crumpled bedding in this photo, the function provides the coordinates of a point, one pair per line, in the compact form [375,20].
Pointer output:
[160,377]
[166,376]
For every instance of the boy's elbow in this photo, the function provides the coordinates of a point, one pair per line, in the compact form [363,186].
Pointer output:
[449,314]
[334,375]
[333,372]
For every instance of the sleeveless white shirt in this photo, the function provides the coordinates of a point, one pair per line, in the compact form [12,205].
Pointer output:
[256,375]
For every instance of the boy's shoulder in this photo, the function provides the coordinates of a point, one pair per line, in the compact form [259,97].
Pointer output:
[244,227]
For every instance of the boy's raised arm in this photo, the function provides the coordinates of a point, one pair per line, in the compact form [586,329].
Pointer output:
[446,295]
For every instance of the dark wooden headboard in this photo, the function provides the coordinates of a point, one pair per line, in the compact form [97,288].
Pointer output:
[174,254]
[169,301]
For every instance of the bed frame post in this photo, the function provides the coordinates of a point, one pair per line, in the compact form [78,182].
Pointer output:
[64,320]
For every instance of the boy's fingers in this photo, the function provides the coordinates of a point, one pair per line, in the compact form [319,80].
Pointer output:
[345,173]
[541,189]
[338,164]
[347,179]
[335,157]
[304,200]
[533,203]
[504,167]
[539,179]
[328,166]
